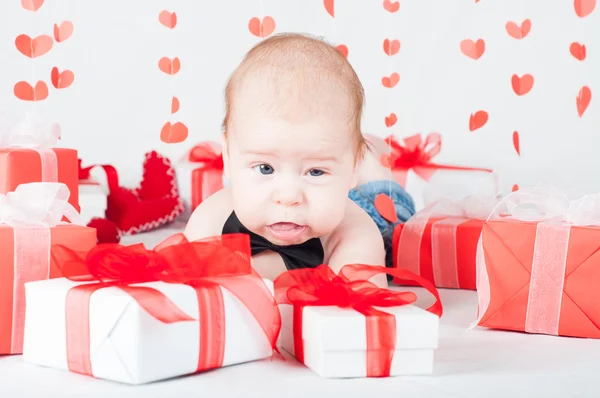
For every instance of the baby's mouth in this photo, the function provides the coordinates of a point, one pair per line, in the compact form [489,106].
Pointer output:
[286,231]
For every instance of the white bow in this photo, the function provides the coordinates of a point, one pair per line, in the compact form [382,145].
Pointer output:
[37,204]
[546,203]
[444,197]
[27,130]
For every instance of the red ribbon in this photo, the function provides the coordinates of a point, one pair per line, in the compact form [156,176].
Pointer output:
[207,178]
[351,289]
[206,265]
[417,154]
[112,177]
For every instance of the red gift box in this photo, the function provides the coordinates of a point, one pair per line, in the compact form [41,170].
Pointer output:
[29,226]
[539,262]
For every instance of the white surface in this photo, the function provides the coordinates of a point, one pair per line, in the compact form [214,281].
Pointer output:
[92,201]
[119,101]
[478,363]
[335,340]
[126,343]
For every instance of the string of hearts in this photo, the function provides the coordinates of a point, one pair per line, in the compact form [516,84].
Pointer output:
[522,85]
[36,47]
[171,133]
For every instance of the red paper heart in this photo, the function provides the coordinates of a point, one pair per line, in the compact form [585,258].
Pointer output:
[168,19]
[518,31]
[583,100]
[261,28]
[390,6]
[154,203]
[478,120]
[343,49]
[583,8]
[329,7]
[390,81]
[522,85]
[391,120]
[391,47]
[578,50]
[385,206]
[473,49]
[516,142]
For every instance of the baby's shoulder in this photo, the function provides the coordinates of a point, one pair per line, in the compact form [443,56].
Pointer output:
[210,216]
[356,232]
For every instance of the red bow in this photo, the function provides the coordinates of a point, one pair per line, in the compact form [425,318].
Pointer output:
[206,265]
[351,289]
[207,178]
[417,154]
[112,177]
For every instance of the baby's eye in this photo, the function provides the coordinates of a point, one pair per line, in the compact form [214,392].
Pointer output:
[316,172]
[264,169]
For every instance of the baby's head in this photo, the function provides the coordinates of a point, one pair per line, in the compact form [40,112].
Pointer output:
[292,137]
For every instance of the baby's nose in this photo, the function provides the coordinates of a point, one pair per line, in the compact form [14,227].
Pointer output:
[288,195]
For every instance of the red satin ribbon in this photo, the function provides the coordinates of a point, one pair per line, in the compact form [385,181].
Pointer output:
[206,265]
[112,177]
[208,178]
[351,289]
[417,154]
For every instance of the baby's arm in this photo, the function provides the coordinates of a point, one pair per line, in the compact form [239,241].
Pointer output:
[357,240]
[209,217]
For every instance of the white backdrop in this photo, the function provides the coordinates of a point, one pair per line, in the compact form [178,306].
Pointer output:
[114,110]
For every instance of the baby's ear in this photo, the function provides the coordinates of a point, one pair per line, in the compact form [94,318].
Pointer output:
[225,154]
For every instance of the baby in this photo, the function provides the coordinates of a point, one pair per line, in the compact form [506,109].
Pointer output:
[302,176]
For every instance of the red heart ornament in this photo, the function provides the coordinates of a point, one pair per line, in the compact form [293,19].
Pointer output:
[63,31]
[329,7]
[168,66]
[391,120]
[343,49]
[391,47]
[24,91]
[168,19]
[518,32]
[473,49]
[578,50]
[154,203]
[583,100]
[390,6]
[522,85]
[35,47]
[61,79]
[478,120]
[583,8]
[32,5]
[385,207]
[390,81]
[516,143]
[261,28]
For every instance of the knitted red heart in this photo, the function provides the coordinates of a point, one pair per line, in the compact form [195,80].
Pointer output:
[154,203]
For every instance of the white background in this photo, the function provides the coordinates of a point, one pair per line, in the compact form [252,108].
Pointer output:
[114,110]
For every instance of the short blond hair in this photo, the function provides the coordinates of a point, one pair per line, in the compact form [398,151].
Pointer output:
[293,52]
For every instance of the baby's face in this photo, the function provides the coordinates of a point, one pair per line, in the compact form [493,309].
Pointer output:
[290,176]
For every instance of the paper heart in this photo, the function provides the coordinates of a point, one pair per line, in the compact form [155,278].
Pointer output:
[390,81]
[518,32]
[156,202]
[391,120]
[343,49]
[261,29]
[25,92]
[63,31]
[472,49]
[391,6]
[516,143]
[168,19]
[168,66]
[583,100]
[329,7]
[583,8]
[173,133]
[391,47]
[61,79]
[578,50]
[32,5]
[385,207]
[174,105]
[478,120]
[522,85]
[515,188]
[33,48]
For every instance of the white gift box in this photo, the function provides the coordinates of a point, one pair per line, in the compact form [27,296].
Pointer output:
[92,201]
[335,340]
[126,343]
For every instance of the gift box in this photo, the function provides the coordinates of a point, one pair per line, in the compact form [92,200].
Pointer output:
[28,154]
[199,175]
[440,241]
[539,265]
[151,315]
[412,166]
[29,226]
[342,326]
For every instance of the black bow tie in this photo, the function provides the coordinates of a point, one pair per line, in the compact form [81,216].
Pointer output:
[305,255]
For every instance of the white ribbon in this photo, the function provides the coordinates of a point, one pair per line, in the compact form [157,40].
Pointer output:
[29,130]
[31,210]
[554,214]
